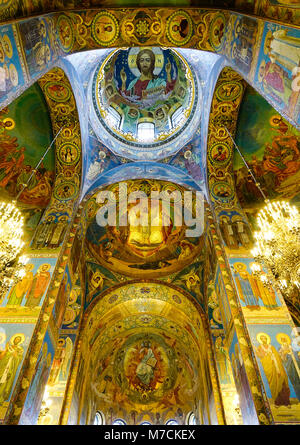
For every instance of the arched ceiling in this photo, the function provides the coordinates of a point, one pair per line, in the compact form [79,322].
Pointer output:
[250,45]
[106,153]
[148,353]
[143,102]
[25,134]
[285,10]
[151,243]
[271,147]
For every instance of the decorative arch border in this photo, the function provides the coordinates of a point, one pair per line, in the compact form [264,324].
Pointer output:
[68,155]
[226,101]
[11,9]
[208,341]
[223,32]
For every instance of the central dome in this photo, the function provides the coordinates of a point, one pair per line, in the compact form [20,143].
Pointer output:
[143,100]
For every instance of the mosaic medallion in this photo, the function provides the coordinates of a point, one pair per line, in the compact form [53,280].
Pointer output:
[65,191]
[229,91]
[65,32]
[179,28]
[105,28]
[57,91]
[145,368]
[69,154]
[145,98]
[220,153]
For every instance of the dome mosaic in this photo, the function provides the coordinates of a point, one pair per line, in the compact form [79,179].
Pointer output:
[143,100]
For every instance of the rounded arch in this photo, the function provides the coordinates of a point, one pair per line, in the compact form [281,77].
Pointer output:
[66,129]
[228,95]
[224,32]
[141,170]
[127,317]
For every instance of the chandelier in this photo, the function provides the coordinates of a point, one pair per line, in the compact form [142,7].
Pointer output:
[277,243]
[12,261]
[277,246]
[11,245]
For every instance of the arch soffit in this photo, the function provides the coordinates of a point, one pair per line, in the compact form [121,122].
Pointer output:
[227,98]
[61,102]
[219,31]
[172,297]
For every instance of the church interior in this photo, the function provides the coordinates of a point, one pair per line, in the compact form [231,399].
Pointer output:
[149,222]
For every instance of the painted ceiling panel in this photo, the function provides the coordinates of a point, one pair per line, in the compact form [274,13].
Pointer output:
[271,146]
[25,134]
[100,158]
[148,352]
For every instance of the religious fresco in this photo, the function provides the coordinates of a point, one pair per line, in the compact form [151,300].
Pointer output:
[213,311]
[150,369]
[35,38]
[35,394]
[277,68]
[283,10]
[253,294]
[242,383]
[15,339]
[277,353]
[147,292]
[99,279]
[146,373]
[144,98]
[29,293]
[25,135]
[241,37]
[100,159]
[191,278]
[207,30]
[62,299]
[159,345]
[58,378]
[136,250]
[270,145]
[63,111]
[67,38]
[65,345]
[73,310]
[11,68]
[228,388]
[226,101]
[223,314]
[189,159]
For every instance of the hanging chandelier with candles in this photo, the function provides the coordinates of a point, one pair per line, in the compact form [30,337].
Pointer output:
[277,243]
[11,246]
[12,261]
[277,246]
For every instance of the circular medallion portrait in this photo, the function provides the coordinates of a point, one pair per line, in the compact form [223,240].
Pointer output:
[145,98]
[229,91]
[223,191]
[179,28]
[105,28]
[217,31]
[65,33]
[145,368]
[57,91]
[220,153]
[69,154]
[65,191]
